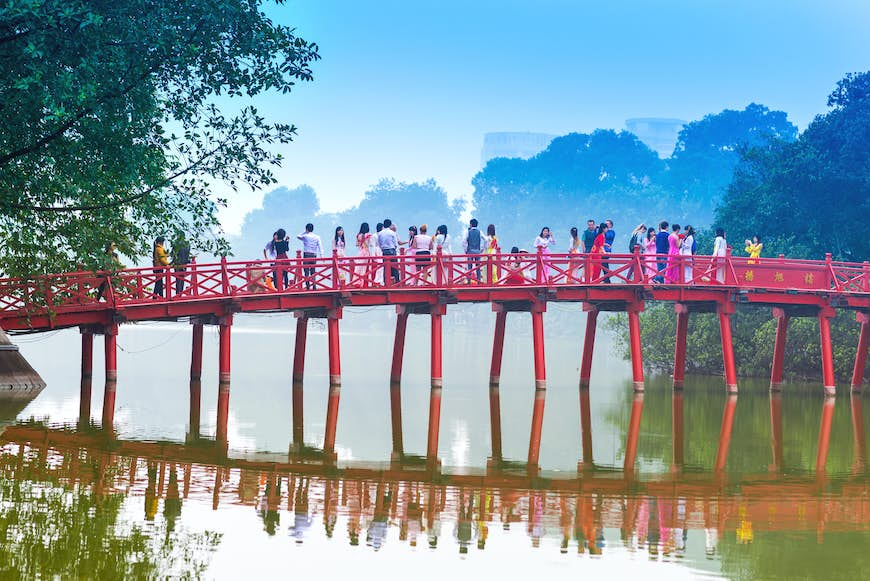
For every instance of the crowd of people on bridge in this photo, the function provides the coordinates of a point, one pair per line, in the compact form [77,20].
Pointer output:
[668,250]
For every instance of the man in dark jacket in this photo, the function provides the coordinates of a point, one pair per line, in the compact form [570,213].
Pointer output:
[589,236]
[662,250]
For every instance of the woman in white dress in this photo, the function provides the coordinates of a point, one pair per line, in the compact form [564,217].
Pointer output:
[363,250]
[544,241]
[687,250]
[720,249]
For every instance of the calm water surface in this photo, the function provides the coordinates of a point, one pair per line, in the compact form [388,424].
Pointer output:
[718,487]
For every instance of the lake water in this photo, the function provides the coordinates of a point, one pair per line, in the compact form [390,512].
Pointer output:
[750,497]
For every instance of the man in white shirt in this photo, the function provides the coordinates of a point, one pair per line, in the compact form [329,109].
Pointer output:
[312,247]
[388,242]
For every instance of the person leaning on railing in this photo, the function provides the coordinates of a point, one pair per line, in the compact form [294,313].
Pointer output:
[160,261]
[111,264]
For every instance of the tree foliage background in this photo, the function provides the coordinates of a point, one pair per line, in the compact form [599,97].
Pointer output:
[119,118]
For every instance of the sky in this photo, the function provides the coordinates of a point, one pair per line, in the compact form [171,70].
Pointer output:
[407,89]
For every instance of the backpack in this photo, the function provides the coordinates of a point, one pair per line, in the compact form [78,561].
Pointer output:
[473,241]
[634,242]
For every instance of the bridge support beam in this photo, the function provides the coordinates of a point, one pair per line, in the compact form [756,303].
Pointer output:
[588,344]
[223,402]
[110,336]
[830,383]
[298,375]
[680,345]
[861,355]
[494,380]
[776,431]
[436,313]
[782,320]
[678,428]
[725,310]
[195,379]
[538,310]
[632,437]
[824,435]
[332,318]
[87,377]
[586,426]
[634,311]
[725,433]
[396,379]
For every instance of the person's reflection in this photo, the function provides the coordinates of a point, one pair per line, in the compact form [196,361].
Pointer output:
[414,512]
[536,517]
[151,492]
[302,520]
[172,502]
[483,518]
[711,532]
[653,531]
[353,490]
[565,520]
[641,529]
[377,531]
[433,516]
[464,528]
[680,531]
[269,505]
[330,502]
[248,485]
[508,502]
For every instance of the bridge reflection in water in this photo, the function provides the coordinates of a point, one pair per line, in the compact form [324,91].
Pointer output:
[652,510]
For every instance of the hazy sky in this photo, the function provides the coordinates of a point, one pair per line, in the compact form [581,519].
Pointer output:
[408,88]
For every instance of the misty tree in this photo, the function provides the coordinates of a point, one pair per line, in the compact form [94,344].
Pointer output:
[120,118]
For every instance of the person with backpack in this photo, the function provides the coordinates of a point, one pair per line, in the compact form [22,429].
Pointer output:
[637,240]
[473,247]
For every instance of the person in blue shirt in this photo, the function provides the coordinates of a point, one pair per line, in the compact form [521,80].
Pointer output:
[662,250]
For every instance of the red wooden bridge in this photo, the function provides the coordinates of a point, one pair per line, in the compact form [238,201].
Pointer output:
[213,294]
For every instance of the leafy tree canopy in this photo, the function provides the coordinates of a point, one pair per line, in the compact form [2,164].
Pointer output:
[810,196]
[119,118]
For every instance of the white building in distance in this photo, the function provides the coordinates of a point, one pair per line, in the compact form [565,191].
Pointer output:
[658,134]
[521,144]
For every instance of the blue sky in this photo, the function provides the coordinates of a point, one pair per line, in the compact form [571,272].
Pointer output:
[407,89]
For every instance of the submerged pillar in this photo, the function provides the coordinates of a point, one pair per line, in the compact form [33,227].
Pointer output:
[111,364]
[87,377]
[588,344]
[540,383]
[776,369]
[725,433]
[223,403]
[861,354]
[828,380]
[776,431]
[435,314]
[195,379]
[633,434]
[586,426]
[678,429]
[860,442]
[635,345]
[333,316]
[824,435]
[680,345]
[725,310]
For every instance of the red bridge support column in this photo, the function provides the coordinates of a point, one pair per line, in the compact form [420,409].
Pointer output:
[494,379]
[633,433]
[830,383]
[586,426]
[435,314]
[396,379]
[725,310]
[824,435]
[725,433]
[778,349]
[299,352]
[776,431]
[861,355]
[333,316]
[195,379]
[87,377]
[588,344]
[540,383]
[680,344]
[634,311]
[860,442]
[111,348]
[223,402]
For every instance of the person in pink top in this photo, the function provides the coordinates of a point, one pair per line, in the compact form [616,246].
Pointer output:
[672,273]
[649,252]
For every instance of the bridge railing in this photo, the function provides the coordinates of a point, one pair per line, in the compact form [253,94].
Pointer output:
[87,290]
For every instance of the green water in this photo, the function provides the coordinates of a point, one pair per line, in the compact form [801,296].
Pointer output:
[715,498]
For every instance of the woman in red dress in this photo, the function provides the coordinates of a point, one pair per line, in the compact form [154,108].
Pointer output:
[597,251]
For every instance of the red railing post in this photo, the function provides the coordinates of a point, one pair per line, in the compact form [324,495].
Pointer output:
[829,274]
[730,277]
[225,277]
[637,267]
[336,280]
[439,268]
[866,277]
[298,270]
[49,296]
[539,266]
[194,278]
[587,267]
